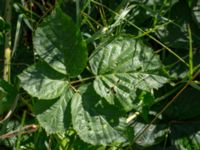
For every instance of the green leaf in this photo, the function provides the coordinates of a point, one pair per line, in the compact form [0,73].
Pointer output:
[122,67]
[175,34]
[41,81]
[7,96]
[58,41]
[146,100]
[151,136]
[54,115]
[95,121]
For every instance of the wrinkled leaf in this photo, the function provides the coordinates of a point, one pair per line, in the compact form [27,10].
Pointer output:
[54,115]
[58,41]
[95,122]
[122,67]
[7,96]
[41,81]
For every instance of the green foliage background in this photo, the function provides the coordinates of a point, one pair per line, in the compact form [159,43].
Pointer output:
[101,75]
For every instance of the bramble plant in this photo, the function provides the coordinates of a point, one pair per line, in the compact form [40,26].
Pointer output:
[104,84]
[98,106]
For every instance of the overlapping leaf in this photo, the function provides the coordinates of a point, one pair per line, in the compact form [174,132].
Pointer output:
[95,122]
[58,41]
[42,81]
[122,67]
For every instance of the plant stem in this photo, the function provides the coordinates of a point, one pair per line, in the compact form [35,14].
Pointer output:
[84,79]
[19,135]
[77,13]
[150,36]
[7,61]
[190,52]
[24,130]
[7,44]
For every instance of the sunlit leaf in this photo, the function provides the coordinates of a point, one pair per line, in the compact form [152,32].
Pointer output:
[122,67]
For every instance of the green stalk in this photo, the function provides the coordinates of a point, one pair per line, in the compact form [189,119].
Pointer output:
[20,134]
[190,52]
[7,58]
[77,13]
[7,44]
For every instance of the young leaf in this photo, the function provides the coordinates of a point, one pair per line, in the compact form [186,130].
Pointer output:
[54,115]
[95,123]
[122,67]
[58,41]
[41,81]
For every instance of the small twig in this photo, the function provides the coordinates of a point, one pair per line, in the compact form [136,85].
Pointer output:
[24,130]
